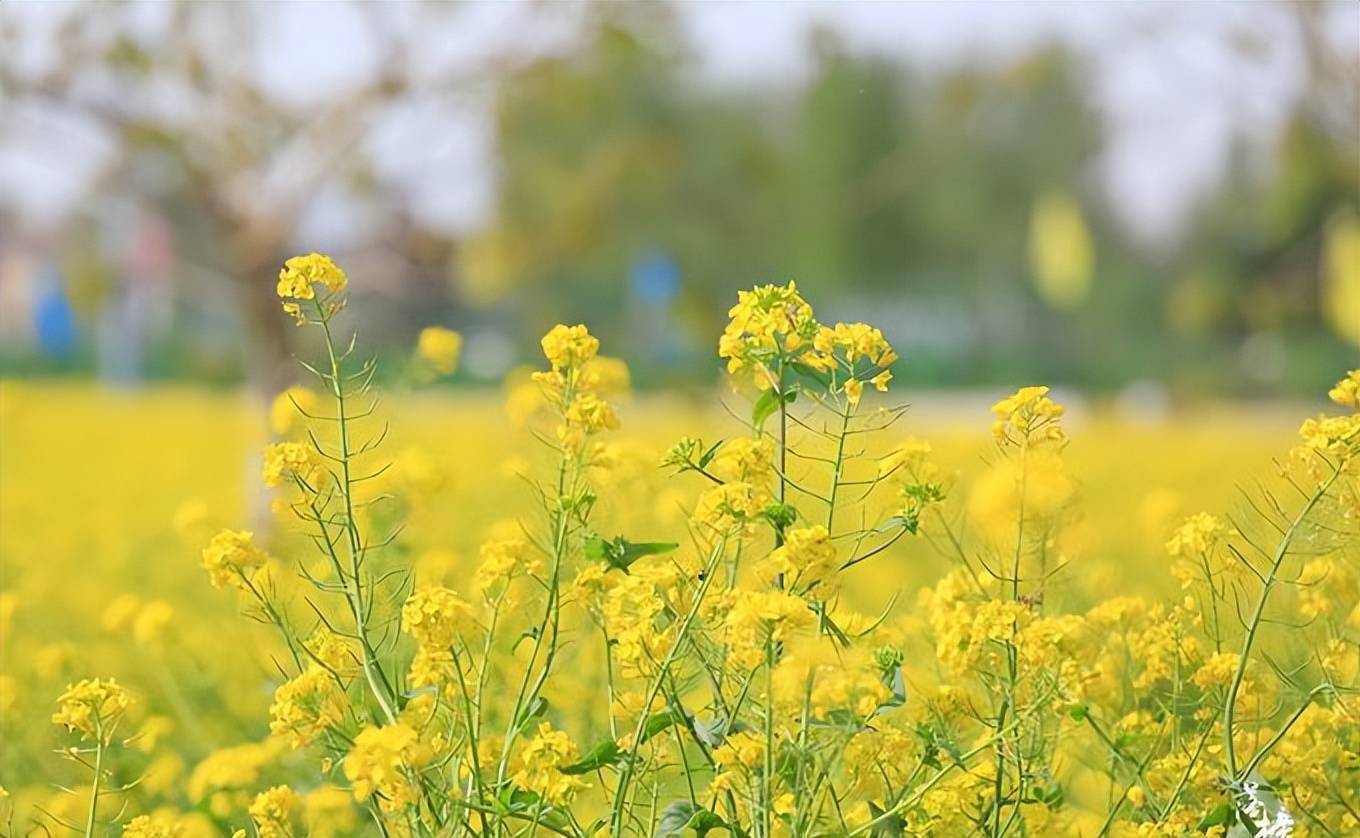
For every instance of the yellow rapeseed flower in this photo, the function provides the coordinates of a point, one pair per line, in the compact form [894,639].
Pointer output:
[745,460]
[766,321]
[93,706]
[271,811]
[1028,415]
[435,617]
[569,346]
[807,558]
[300,273]
[299,460]
[144,826]
[1217,671]
[231,554]
[854,388]
[306,706]
[1347,391]
[539,764]
[382,761]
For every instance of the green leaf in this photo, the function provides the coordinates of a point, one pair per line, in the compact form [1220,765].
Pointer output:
[704,821]
[605,752]
[596,549]
[618,552]
[680,815]
[608,752]
[1051,797]
[658,722]
[1077,712]
[597,825]
[829,627]
[710,454]
[674,818]
[767,404]
[1216,816]
[816,376]
[516,799]
[892,826]
[634,551]
[535,709]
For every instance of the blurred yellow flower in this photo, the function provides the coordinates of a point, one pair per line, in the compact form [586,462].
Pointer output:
[288,409]
[439,347]
[1341,280]
[143,826]
[1060,252]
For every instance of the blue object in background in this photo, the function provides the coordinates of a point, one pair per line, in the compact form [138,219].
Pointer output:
[656,277]
[54,321]
[655,281]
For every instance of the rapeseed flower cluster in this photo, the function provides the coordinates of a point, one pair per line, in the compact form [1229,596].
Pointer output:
[306,707]
[573,387]
[232,558]
[1027,416]
[93,707]
[297,281]
[383,763]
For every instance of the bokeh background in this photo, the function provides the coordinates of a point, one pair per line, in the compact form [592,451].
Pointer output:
[1154,207]
[1149,201]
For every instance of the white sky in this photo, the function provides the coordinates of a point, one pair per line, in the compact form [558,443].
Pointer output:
[1169,79]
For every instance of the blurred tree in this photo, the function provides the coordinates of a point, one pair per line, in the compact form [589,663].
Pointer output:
[1255,261]
[852,206]
[870,180]
[193,128]
[609,154]
[919,188]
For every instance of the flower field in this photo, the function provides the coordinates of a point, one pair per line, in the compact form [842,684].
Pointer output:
[803,606]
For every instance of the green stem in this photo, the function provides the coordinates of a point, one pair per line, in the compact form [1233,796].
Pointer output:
[471,716]
[1012,665]
[1265,749]
[524,695]
[98,776]
[767,776]
[836,470]
[1281,550]
[626,772]
[907,802]
[377,682]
